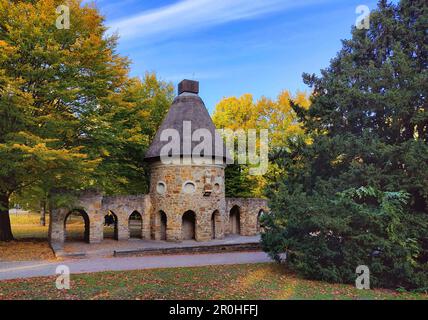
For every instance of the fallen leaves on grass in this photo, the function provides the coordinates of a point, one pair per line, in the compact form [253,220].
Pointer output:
[253,282]
[25,250]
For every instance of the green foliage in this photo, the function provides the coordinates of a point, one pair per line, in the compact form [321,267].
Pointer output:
[70,116]
[121,133]
[326,238]
[369,126]
[50,80]
[238,184]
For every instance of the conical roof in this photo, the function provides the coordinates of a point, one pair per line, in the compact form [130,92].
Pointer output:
[187,111]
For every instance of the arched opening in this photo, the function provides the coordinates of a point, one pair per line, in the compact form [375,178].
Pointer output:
[235,220]
[110,226]
[76,226]
[259,224]
[135,225]
[160,226]
[188,225]
[215,225]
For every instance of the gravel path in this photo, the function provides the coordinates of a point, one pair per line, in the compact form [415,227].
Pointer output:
[17,270]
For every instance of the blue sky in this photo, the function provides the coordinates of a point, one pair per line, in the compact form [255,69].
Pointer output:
[231,46]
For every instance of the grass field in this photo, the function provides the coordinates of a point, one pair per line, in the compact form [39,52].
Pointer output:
[27,226]
[255,282]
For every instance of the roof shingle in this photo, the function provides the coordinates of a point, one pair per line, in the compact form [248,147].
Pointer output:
[187,106]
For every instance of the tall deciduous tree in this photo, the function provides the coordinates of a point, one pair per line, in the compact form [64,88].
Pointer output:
[276,116]
[52,83]
[121,134]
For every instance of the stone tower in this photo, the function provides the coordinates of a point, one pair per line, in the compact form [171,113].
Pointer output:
[187,188]
[187,160]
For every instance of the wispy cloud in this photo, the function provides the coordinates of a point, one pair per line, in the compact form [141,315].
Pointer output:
[199,75]
[192,15]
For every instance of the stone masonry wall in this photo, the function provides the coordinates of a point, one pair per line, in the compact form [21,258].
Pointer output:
[123,207]
[94,206]
[89,204]
[174,200]
[209,207]
[249,210]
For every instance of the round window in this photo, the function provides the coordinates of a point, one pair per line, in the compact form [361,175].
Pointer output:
[161,187]
[189,187]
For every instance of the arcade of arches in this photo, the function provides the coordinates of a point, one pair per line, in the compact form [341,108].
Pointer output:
[76,226]
[128,219]
[135,225]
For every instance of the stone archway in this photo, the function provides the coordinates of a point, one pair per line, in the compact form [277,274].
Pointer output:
[235,220]
[216,225]
[160,226]
[135,225]
[76,226]
[110,230]
[259,225]
[188,226]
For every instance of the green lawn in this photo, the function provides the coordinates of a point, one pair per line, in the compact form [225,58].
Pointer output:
[260,281]
[27,226]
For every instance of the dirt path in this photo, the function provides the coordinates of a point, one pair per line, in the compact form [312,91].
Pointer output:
[17,270]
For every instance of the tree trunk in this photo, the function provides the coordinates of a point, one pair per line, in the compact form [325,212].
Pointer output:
[43,214]
[5,228]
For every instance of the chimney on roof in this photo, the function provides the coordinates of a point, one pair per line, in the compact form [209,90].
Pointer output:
[188,86]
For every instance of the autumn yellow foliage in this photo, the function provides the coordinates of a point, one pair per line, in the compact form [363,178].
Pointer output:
[277,116]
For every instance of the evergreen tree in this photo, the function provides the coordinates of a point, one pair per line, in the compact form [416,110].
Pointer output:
[369,125]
